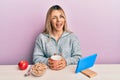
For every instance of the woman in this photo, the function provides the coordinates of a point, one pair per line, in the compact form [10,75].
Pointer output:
[56,38]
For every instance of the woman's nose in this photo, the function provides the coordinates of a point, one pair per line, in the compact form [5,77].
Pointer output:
[58,19]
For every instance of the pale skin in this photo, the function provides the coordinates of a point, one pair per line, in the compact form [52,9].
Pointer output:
[57,21]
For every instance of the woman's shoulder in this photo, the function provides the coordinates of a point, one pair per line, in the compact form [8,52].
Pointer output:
[42,36]
[73,36]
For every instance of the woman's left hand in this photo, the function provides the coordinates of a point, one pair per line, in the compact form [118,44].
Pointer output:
[61,64]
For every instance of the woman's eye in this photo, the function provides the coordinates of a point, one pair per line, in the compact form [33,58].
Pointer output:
[53,17]
[61,16]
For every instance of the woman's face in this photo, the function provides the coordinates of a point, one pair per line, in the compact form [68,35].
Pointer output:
[57,20]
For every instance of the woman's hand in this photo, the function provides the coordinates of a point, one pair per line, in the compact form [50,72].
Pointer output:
[56,65]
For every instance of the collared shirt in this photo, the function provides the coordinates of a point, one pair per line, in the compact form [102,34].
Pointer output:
[68,46]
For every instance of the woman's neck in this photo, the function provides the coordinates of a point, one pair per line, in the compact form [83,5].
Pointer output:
[57,34]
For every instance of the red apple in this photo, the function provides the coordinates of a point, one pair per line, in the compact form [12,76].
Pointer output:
[23,64]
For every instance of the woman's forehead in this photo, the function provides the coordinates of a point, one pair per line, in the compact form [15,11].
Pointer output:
[55,12]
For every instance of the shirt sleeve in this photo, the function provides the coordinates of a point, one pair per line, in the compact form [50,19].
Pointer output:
[75,52]
[38,55]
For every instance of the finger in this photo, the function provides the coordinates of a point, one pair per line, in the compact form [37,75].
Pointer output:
[50,62]
[61,65]
[52,67]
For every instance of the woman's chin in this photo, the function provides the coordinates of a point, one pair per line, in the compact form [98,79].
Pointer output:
[59,29]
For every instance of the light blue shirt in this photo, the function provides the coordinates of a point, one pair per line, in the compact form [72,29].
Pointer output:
[68,45]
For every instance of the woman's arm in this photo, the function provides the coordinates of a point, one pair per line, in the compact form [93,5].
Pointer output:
[75,52]
[38,55]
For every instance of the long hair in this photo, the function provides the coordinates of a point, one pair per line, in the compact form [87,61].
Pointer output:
[48,27]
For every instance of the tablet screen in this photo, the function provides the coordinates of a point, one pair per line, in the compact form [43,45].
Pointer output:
[85,63]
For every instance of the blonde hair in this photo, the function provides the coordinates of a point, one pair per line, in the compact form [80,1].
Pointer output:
[48,27]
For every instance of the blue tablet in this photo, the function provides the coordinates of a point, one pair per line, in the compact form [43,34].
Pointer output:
[85,63]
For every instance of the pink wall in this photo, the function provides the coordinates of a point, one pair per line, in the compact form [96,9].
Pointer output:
[95,22]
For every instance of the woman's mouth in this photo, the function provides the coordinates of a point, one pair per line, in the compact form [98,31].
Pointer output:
[58,25]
